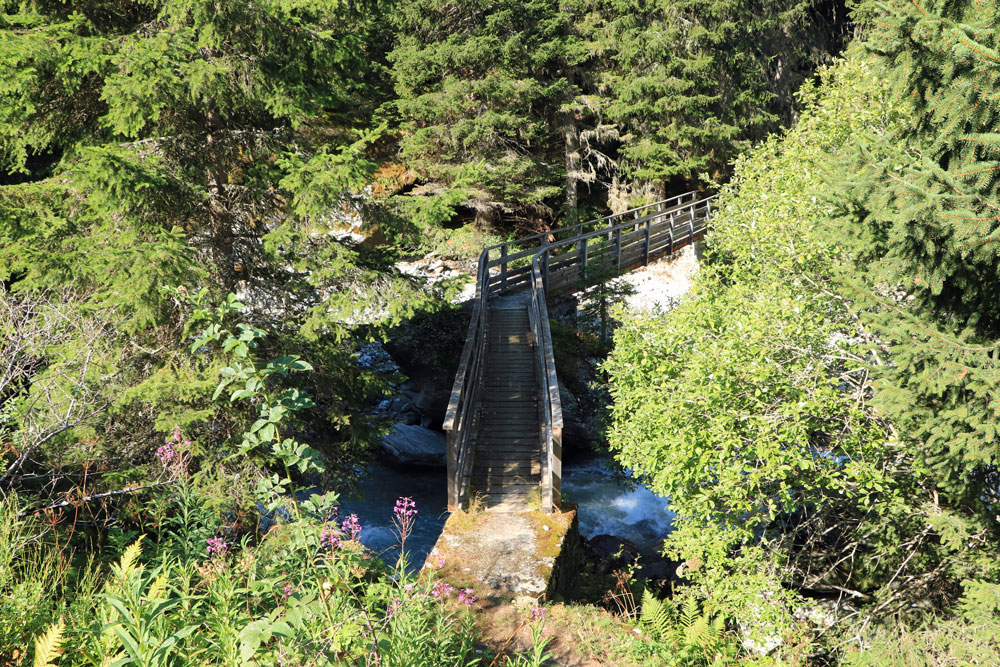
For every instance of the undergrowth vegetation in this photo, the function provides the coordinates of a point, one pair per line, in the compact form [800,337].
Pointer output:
[191,593]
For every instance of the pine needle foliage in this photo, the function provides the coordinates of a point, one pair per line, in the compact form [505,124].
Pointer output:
[210,145]
[920,215]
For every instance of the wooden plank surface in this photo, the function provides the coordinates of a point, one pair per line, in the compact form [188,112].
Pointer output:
[508,459]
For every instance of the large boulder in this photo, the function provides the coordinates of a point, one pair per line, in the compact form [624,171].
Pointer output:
[429,394]
[416,446]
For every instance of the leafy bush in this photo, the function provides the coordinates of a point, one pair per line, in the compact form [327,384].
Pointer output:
[751,406]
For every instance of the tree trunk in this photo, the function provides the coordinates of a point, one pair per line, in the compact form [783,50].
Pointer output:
[571,138]
[220,217]
[573,155]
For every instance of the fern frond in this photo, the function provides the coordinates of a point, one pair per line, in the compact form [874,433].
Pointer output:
[690,612]
[655,615]
[47,645]
[697,633]
[157,587]
[128,560]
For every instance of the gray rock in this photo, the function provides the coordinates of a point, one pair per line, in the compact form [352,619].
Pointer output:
[409,445]
[429,395]
[609,553]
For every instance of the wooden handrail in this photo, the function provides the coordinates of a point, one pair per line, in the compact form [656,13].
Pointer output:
[459,421]
[534,237]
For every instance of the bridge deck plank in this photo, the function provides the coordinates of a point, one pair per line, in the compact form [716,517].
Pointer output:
[508,461]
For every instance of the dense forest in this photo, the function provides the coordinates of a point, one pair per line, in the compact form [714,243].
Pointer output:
[203,210]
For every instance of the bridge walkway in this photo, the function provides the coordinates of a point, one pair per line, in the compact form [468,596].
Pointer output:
[507,467]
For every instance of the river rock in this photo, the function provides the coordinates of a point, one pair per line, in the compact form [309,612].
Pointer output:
[611,553]
[410,445]
[429,394]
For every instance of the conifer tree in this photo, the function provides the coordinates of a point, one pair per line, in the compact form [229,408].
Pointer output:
[508,107]
[920,212]
[205,145]
[479,88]
[690,82]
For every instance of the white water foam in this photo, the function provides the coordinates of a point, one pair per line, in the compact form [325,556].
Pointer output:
[608,507]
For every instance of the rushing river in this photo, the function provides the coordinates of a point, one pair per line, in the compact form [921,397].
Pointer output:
[607,506]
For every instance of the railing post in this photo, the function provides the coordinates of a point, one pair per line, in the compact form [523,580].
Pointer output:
[555,470]
[691,223]
[645,261]
[453,500]
[618,248]
[503,268]
[545,263]
[670,247]
[582,251]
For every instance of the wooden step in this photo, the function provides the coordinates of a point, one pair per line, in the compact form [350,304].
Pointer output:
[509,468]
[497,443]
[509,451]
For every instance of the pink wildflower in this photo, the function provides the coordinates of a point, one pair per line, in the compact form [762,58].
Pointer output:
[537,613]
[172,454]
[166,454]
[466,597]
[442,590]
[352,527]
[330,537]
[404,514]
[405,508]
[216,547]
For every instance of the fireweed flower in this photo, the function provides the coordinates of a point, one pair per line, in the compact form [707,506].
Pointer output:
[352,527]
[442,591]
[171,454]
[216,547]
[466,597]
[405,508]
[288,590]
[331,537]
[166,454]
[536,613]
[439,561]
[393,607]
[403,515]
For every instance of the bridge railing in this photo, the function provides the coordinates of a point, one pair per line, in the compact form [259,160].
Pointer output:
[559,261]
[510,262]
[551,408]
[648,235]
[460,418]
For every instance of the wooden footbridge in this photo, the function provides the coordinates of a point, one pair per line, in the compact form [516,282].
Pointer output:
[504,420]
